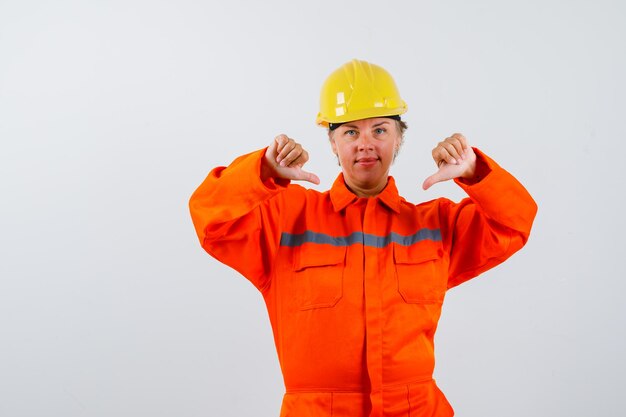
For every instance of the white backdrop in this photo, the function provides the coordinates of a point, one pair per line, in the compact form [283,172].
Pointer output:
[112,112]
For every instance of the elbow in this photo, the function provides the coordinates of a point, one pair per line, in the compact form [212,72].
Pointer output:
[530,218]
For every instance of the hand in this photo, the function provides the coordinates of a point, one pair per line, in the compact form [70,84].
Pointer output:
[455,159]
[285,158]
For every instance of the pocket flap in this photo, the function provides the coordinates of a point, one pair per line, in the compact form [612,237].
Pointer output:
[319,256]
[418,253]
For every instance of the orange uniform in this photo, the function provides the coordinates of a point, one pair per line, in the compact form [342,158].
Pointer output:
[354,286]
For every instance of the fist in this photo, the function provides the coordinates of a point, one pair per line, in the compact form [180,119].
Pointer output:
[455,159]
[284,158]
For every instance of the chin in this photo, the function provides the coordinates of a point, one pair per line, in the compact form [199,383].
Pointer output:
[371,182]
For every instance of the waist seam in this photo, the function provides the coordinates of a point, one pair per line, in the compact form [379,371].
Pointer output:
[355,391]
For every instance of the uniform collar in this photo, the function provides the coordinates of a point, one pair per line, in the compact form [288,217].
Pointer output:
[341,196]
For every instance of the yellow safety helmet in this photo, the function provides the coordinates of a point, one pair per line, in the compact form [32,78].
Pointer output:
[358,90]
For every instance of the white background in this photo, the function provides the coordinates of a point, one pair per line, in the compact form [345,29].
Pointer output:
[112,112]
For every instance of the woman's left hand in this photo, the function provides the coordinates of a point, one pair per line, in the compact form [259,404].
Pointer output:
[455,159]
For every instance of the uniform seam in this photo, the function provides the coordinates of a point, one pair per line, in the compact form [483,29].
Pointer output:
[408,399]
[356,391]
[408,383]
[329,390]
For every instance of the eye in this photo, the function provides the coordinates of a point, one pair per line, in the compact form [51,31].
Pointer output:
[350,132]
[380,130]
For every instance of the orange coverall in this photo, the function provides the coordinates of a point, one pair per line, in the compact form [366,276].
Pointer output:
[354,286]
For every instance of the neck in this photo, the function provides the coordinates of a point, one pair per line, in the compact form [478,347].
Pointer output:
[365,191]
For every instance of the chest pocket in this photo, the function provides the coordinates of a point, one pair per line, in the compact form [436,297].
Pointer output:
[319,277]
[420,274]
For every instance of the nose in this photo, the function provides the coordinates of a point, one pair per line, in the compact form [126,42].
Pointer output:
[365,142]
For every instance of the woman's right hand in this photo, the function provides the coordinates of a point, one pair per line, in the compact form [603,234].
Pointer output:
[284,158]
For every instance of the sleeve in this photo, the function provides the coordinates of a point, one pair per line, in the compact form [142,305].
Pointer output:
[236,217]
[490,225]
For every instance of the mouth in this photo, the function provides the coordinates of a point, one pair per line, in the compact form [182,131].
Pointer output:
[367,161]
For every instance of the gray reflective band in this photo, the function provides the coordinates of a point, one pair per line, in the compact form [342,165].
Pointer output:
[288,239]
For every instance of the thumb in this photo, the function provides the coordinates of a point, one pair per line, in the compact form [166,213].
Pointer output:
[302,175]
[293,173]
[433,179]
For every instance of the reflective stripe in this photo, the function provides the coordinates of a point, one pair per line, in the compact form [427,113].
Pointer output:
[288,239]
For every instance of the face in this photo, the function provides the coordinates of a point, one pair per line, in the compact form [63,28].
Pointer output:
[365,149]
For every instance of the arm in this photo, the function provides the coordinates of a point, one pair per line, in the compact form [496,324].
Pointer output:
[489,226]
[233,218]
[493,223]
[235,212]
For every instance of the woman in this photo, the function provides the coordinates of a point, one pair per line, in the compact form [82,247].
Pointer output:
[354,278]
